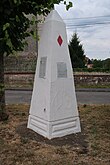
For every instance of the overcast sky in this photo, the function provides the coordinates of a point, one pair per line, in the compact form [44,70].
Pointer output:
[91,20]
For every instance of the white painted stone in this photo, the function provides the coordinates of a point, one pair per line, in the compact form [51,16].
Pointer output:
[53,111]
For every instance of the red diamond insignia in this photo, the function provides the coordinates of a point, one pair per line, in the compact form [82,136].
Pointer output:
[59,39]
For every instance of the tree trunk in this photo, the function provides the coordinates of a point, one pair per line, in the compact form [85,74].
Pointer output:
[3,115]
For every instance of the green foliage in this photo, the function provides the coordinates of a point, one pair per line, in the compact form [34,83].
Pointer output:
[76,52]
[101,64]
[14,21]
[97,63]
[106,63]
[2,88]
[68,5]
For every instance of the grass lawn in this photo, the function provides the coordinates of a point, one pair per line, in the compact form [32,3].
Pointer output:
[21,146]
[78,86]
[92,85]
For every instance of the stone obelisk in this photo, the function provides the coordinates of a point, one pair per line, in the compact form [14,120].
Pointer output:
[53,110]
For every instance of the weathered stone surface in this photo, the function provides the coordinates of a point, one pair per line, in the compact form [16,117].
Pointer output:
[18,79]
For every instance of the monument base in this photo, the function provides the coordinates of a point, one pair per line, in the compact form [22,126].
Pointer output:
[52,129]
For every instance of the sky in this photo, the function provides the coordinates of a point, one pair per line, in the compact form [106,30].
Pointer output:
[91,20]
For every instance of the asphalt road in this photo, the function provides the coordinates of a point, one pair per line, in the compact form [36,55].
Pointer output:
[93,97]
[83,96]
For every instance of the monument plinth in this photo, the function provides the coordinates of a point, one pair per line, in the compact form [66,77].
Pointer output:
[53,110]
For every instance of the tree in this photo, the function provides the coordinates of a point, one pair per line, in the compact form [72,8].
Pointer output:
[76,52]
[97,63]
[13,30]
[106,63]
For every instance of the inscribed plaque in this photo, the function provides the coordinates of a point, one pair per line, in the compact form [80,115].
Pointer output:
[42,70]
[61,70]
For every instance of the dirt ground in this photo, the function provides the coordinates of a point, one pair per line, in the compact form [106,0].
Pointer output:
[22,146]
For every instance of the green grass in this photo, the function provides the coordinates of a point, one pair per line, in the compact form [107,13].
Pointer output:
[30,85]
[27,148]
[92,86]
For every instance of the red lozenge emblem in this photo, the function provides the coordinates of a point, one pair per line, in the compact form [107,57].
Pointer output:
[59,39]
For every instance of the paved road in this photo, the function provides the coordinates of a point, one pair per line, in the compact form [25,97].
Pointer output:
[93,97]
[17,96]
[83,96]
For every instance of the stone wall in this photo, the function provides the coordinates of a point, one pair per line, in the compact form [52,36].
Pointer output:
[25,62]
[18,80]
[19,72]
[92,78]
[25,79]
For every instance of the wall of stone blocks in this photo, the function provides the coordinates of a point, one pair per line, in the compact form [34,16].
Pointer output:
[26,79]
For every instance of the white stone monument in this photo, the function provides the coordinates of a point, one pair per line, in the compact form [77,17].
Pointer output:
[53,111]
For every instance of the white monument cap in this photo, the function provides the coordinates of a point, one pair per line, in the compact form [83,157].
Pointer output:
[53,111]
[54,16]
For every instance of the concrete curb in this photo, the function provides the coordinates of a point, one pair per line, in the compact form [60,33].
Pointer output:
[93,89]
[19,89]
[77,89]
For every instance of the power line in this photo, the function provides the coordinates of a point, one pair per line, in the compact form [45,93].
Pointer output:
[70,24]
[86,25]
[97,51]
[87,21]
[86,17]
